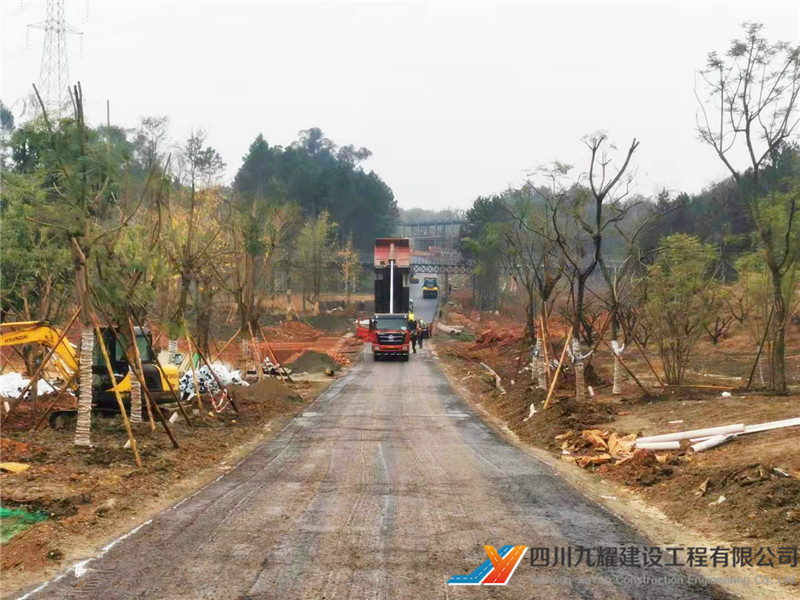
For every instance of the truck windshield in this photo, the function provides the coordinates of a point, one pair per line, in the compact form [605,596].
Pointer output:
[393,322]
[430,282]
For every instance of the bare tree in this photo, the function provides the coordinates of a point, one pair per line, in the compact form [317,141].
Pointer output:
[750,110]
[580,220]
[349,268]
[619,277]
[259,232]
[532,255]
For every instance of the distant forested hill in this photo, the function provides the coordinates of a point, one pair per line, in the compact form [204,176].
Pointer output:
[320,176]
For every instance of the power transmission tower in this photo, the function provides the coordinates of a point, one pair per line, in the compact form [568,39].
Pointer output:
[54,70]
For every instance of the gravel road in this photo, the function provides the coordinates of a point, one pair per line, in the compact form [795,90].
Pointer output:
[385,487]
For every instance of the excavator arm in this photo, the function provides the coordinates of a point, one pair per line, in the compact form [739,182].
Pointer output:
[41,332]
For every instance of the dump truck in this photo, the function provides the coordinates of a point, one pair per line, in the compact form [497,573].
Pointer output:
[389,327]
[158,379]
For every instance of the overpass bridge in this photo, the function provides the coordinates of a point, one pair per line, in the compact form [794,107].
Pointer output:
[434,236]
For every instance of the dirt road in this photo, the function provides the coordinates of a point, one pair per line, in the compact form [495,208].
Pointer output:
[386,487]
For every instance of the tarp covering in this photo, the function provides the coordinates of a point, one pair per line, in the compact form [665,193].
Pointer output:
[12,384]
[15,520]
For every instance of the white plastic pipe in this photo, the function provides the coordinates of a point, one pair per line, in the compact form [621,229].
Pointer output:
[771,425]
[448,328]
[695,433]
[711,442]
[658,445]
[758,428]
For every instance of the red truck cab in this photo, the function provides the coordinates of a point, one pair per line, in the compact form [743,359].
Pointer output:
[390,336]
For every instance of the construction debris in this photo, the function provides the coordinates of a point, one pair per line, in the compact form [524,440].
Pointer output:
[772,425]
[207,382]
[594,447]
[496,339]
[696,433]
[448,329]
[497,380]
[711,442]
[675,445]
[339,358]
[13,467]
[705,439]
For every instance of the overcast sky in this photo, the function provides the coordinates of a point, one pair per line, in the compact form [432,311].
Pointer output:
[455,100]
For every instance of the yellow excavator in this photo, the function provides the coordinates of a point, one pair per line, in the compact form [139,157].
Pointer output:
[159,379]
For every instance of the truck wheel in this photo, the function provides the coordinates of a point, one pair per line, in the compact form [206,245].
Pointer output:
[375,357]
[405,358]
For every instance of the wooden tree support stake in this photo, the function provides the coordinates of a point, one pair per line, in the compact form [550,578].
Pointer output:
[228,343]
[603,330]
[173,392]
[558,370]
[214,375]
[63,389]
[260,368]
[194,371]
[117,395]
[139,374]
[760,349]
[647,360]
[273,358]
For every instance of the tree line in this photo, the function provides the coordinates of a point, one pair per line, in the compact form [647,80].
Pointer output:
[135,219]
[670,269]
[128,223]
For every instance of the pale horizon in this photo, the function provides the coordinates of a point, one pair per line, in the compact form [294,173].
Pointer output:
[454,100]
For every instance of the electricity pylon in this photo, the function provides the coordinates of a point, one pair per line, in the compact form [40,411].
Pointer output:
[54,71]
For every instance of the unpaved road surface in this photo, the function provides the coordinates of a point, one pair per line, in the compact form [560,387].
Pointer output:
[384,488]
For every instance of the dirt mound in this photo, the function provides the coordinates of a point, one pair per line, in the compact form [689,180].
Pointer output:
[267,398]
[313,362]
[12,450]
[27,414]
[756,503]
[566,414]
[643,469]
[294,330]
[32,548]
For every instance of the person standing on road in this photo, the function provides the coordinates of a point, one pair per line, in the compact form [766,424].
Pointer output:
[414,338]
[420,333]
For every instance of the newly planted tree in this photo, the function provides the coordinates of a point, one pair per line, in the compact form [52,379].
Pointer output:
[82,175]
[749,117]
[530,253]
[581,219]
[681,300]
[349,268]
[315,249]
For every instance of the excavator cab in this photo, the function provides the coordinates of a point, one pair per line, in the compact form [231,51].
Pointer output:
[158,383]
